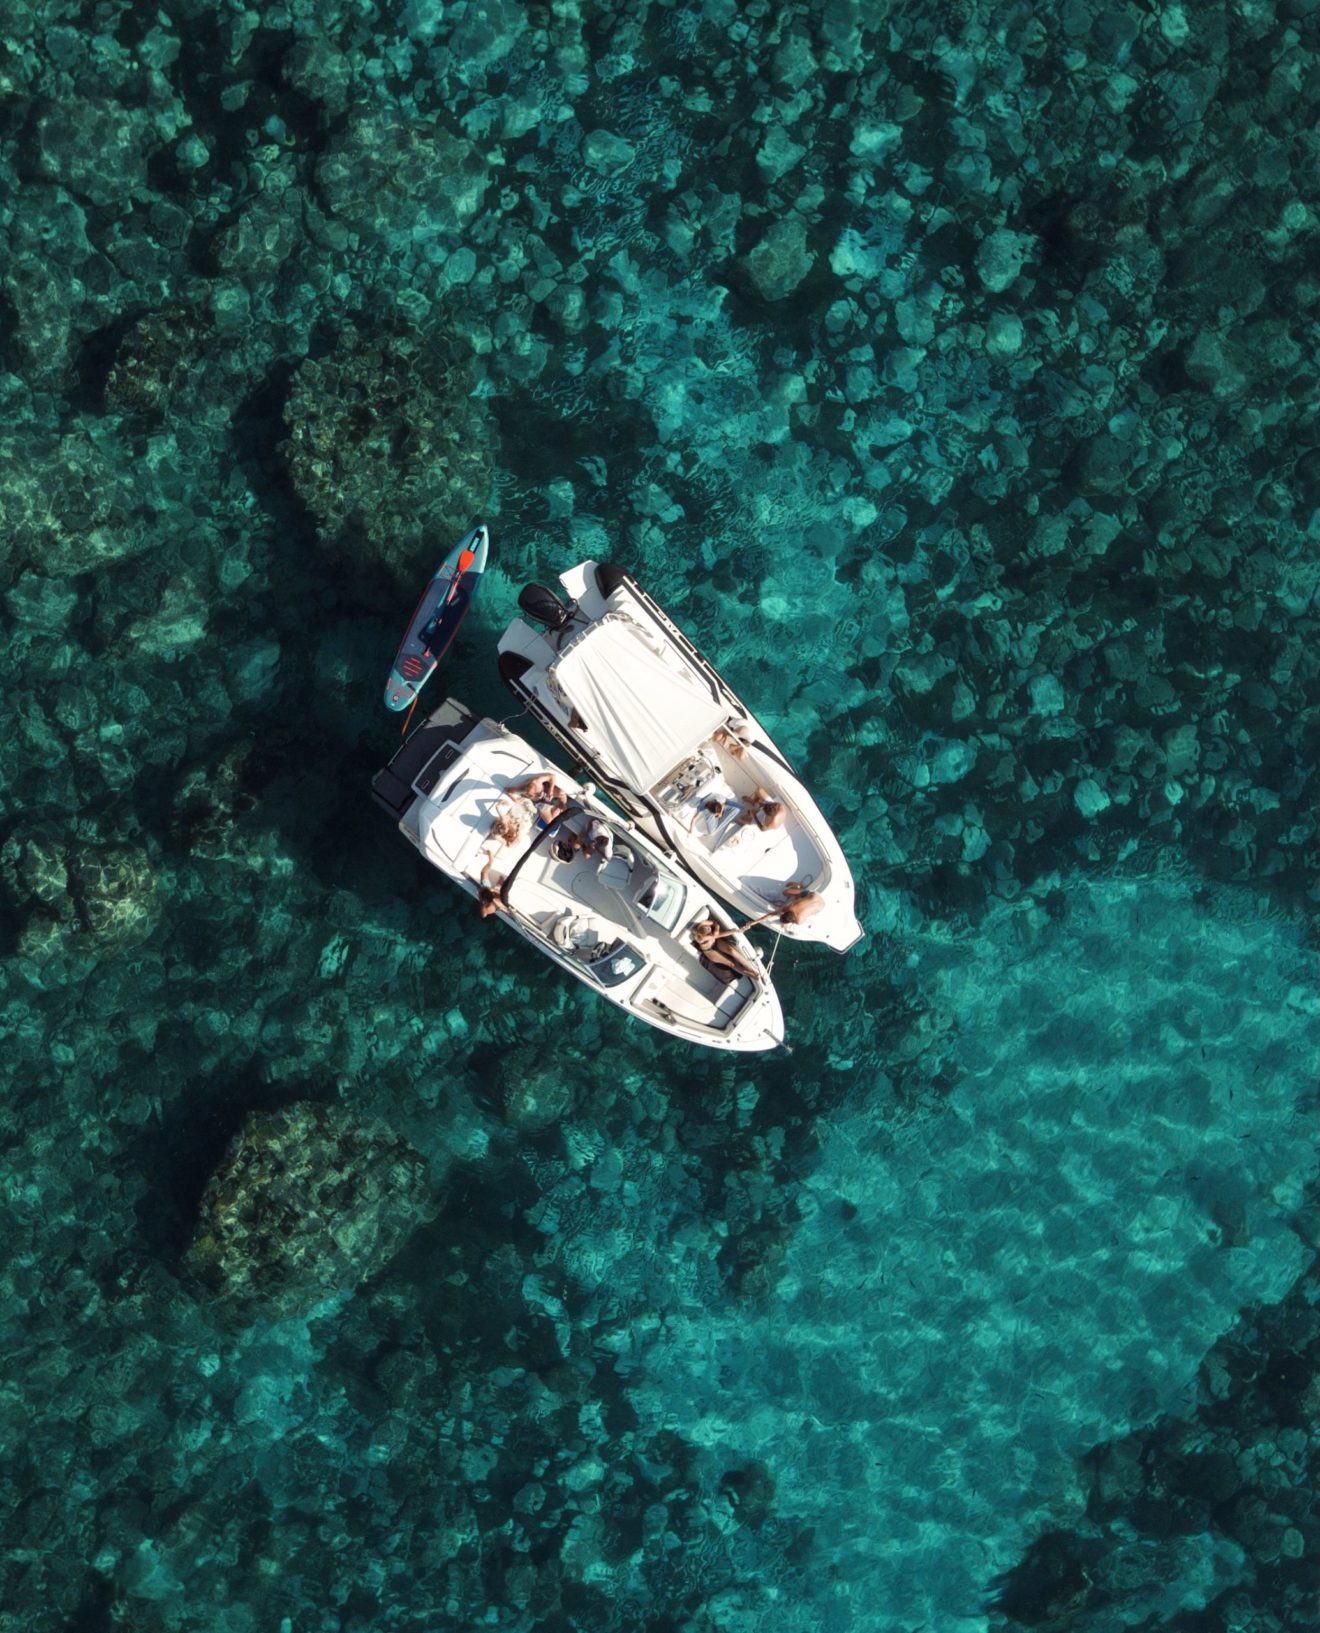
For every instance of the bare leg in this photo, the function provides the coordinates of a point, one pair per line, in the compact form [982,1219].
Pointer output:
[724,952]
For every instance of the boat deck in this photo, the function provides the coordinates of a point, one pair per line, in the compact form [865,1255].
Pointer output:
[580,905]
[748,857]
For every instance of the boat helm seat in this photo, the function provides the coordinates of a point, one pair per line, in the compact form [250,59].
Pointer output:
[575,932]
[616,872]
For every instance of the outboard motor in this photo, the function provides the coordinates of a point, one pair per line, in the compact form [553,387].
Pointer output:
[544,607]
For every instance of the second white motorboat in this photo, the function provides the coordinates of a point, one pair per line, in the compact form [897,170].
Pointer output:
[614,680]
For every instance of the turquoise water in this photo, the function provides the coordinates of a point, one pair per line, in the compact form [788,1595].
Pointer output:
[948,372]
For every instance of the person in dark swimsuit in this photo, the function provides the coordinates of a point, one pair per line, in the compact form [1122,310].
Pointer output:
[489,900]
[717,946]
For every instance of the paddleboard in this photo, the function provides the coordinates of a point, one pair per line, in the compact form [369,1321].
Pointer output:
[442,608]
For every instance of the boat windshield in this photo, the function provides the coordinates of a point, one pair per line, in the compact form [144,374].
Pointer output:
[617,963]
[663,900]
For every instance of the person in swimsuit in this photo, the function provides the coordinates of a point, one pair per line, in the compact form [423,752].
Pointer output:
[717,946]
[765,811]
[548,799]
[506,828]
[710,815]
[489,900]
[538,787]
[734,736]
[596,841]
[799,904]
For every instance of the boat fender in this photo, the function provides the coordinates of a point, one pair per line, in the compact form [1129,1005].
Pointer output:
[609,576]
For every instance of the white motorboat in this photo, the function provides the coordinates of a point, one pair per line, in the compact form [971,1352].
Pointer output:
[618,917]
[615,681]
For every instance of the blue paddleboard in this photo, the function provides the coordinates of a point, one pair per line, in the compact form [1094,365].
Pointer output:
[444,603]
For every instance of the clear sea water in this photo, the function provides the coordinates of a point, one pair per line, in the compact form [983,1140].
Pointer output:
[949,372]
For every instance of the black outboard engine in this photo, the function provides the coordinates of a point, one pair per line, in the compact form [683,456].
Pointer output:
[544,607]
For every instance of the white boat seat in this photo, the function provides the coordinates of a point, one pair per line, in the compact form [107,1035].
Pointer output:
[616,873]
[575,932]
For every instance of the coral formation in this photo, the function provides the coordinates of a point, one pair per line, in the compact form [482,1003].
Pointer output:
[306,1203]
[72,889]
[384,445]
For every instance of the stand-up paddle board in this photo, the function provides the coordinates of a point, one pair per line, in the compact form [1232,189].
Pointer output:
[445,601]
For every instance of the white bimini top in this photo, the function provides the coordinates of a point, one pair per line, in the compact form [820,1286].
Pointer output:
[644,708]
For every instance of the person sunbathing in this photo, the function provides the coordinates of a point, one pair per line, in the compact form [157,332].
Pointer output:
[538,787]
[548,799]
[710,816]
[718,946]
[506,828]
[799,904]
[735,737]
[765,811]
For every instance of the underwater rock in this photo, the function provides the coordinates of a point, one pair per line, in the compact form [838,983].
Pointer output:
[211,803]
[42,939]
[1209,363]
[33,868]
[534,1092]
[258,244]
[385,443]
[95,148]
[751,1492]
[1004,335]
[67,504]
[608,153]
[100,896]
[117,892]
[781,260]
[388,173]
[323,73]
[1000,257]
[46,267]
[306,1203]
[152,362]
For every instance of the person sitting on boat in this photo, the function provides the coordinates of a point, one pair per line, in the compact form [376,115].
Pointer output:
[597,840]
[489,900]
[799,904]
[718,947]
[711,815]
[734,736]
[765,811]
